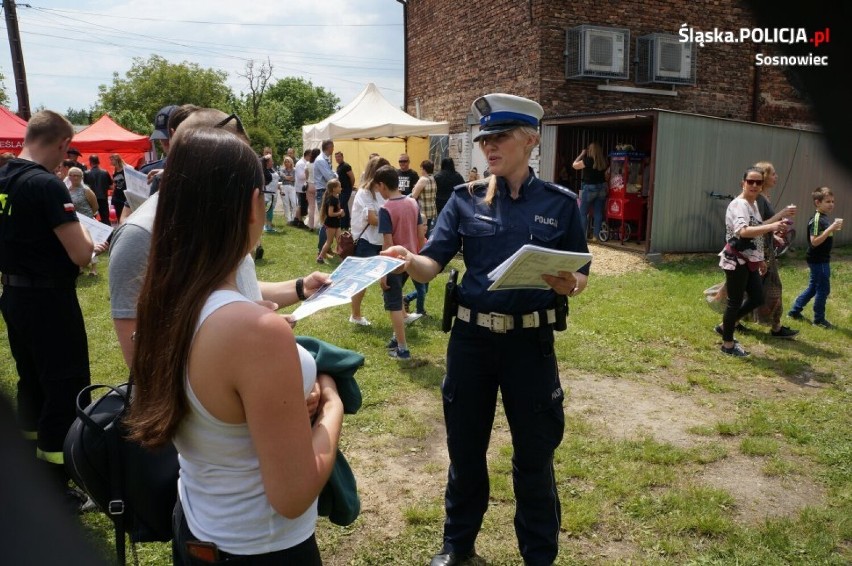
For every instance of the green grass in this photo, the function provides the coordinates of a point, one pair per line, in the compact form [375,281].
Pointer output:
[626,498]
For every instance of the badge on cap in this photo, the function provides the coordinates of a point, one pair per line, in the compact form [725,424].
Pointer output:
[500,112]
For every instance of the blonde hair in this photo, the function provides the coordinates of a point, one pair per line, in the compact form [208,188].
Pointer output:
[373,165]
[76,171]
[492,179]
[287,160]
[597,155]
[768,170]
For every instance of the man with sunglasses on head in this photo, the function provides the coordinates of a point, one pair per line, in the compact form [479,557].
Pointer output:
[132,242]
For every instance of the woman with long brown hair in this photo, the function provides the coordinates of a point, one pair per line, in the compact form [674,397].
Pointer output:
[221,376]
[592,162]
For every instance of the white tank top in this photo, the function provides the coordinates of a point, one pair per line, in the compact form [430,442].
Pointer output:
[220,486]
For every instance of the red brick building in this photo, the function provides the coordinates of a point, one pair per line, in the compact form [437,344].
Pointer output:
[618,72]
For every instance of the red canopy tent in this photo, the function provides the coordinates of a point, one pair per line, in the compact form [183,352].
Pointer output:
[105,137]
[12,130]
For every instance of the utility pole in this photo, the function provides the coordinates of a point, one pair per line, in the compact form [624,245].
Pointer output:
[17,59]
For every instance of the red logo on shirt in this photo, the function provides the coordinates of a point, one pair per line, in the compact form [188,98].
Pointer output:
[69,207]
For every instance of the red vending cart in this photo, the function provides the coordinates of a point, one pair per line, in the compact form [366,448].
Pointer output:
[627,202]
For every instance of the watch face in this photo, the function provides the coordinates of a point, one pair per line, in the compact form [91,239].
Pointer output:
[482,106]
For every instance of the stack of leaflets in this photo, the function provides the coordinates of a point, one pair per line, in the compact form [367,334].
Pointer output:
[524,268]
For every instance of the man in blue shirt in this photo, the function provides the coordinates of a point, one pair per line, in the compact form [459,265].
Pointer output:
[323,173]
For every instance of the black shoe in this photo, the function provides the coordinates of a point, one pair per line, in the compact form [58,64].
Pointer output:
[795,315]
[740,327]
[825,324]
[75,500]
[784,332]
[453,558]
[736,350]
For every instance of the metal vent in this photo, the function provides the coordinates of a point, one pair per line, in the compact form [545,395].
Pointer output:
[665,59]
[599,52]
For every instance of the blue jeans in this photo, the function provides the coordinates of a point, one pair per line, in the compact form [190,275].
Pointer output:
[592,196]
[819,286]
[419,293]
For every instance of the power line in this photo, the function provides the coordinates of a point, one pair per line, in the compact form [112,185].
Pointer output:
[208,22]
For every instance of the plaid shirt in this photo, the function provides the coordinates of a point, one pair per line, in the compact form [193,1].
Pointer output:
[427,198]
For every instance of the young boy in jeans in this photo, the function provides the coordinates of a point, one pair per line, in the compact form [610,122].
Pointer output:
[821,237]
[399,221]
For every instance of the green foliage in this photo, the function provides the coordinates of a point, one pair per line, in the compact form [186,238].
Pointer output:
[153,83]
[81,116]
[4,96]
[305,103]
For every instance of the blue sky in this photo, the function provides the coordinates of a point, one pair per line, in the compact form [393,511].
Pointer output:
[71,48]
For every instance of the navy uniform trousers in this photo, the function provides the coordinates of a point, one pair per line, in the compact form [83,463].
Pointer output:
[522,365]
[47,337]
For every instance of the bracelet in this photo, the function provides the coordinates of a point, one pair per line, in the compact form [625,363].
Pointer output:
[300,288]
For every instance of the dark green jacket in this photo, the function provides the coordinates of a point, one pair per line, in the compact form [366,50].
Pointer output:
[339,498]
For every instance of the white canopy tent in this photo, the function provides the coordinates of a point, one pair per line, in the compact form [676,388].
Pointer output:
[369,115]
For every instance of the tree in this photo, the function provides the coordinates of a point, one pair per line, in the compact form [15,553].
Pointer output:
[257,79]
[304,103]
[153,83]
[4,96]
[79,116]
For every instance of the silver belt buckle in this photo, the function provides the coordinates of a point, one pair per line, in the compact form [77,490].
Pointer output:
[498,323]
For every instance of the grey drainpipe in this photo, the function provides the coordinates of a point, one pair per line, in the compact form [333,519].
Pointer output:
[405,53]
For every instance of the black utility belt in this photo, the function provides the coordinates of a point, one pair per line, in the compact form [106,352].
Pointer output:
[27,282]
[498,322]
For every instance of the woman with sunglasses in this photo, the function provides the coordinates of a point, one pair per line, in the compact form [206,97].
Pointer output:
[221,376]
[742,258]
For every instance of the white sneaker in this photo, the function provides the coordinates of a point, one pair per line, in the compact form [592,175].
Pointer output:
[359,321]
[412,317]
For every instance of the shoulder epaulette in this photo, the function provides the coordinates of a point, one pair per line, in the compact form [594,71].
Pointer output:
[560,189]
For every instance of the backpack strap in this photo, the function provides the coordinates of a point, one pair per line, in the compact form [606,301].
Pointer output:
[112,434]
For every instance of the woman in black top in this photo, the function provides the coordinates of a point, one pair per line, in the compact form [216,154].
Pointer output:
[118,198]
[592,162]
[446,180]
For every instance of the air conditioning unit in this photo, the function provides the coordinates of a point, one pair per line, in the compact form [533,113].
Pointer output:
[594,51]
[665,59]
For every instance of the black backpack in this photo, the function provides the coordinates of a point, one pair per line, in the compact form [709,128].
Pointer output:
[135,487]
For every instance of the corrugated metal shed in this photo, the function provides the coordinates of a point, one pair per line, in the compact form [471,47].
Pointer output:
[696,155]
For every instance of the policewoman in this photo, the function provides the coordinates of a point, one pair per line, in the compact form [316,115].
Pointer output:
[503,339]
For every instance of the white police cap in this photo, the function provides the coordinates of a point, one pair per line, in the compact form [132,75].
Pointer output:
[500,112]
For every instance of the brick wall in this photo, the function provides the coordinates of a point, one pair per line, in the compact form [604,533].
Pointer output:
[459,50]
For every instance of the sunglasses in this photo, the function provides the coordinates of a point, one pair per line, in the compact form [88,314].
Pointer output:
[403,161]
[235,118]
[757,182]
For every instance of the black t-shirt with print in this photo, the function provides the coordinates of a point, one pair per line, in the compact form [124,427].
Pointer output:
[407,180]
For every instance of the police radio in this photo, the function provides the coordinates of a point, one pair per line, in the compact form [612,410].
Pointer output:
[561,322]
[451,304]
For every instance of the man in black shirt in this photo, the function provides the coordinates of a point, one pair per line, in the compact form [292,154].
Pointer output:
[347,182]
[99,181]
[42,247]
[74,155]
[407,176]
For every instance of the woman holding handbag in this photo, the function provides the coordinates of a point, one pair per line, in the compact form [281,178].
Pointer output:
[365,223]
[221,376]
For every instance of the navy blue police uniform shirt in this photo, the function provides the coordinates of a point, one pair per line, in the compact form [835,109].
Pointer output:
[33,208]
[544,215]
